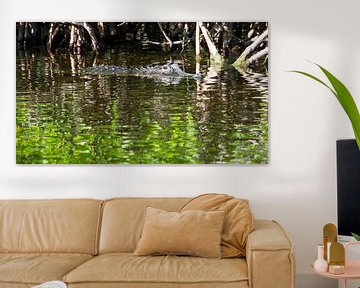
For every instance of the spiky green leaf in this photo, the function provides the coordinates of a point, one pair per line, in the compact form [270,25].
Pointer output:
[347,102]
[316,79]
[344,97]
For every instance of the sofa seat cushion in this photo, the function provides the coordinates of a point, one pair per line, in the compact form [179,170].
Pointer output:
[36,268]
[127,268]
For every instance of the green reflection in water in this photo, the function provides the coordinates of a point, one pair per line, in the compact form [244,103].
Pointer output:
[65,116]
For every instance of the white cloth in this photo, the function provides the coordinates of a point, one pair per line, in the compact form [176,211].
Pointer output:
[51,284]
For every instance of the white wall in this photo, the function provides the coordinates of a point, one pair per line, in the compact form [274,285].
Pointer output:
[297,188]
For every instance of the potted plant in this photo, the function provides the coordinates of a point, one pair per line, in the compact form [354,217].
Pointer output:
[346,100]
[344,97]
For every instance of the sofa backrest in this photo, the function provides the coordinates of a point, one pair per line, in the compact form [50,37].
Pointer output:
[123,220]
[67,226]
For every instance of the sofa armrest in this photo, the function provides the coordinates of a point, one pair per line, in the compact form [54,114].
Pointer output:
[269,256]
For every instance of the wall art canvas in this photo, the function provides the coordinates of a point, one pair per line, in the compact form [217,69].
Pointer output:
[142,92]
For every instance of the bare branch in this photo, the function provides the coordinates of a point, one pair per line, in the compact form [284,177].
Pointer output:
[256,43]
[170,43]
[258,55]
[241,61]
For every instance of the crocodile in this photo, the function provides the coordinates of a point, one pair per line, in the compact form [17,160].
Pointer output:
[167,73]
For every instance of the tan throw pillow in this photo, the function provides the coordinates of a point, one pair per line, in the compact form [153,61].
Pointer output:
[196,233]
[239,220]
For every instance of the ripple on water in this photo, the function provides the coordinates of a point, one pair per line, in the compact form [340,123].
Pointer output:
[64,116]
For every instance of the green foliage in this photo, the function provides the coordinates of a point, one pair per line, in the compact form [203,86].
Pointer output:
[344,97]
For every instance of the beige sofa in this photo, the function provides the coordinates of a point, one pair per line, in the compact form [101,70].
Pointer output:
[89,243]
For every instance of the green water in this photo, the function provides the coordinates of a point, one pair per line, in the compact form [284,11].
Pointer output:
[68,117]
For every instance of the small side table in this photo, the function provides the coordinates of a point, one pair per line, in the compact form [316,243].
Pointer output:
[352,269]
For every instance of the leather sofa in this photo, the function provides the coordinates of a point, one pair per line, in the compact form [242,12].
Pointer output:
[90,243]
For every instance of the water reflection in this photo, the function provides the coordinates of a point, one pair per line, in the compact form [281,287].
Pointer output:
[67,116]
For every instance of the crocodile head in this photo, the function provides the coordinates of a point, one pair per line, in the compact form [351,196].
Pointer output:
[173,69]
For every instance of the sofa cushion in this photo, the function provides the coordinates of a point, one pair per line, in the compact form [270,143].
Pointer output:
[239,220]
[123,220]
[126,268]
[193,232]
[63,226]
[36,268]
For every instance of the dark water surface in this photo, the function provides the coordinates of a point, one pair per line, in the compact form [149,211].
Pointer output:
[64,115]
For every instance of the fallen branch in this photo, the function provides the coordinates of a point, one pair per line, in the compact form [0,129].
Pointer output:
[258,55]
[241,61]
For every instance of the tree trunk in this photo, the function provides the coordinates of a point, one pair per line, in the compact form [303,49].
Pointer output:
[226,37]
[212,48]
[93,37]
[101,29]
[80,40]
[53,30]
[197,40]
[44,33]
[21,31]
[72,38]
[35,37]
[27,35]
[184,38]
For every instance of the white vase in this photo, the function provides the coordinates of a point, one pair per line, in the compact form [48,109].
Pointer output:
[320,264]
